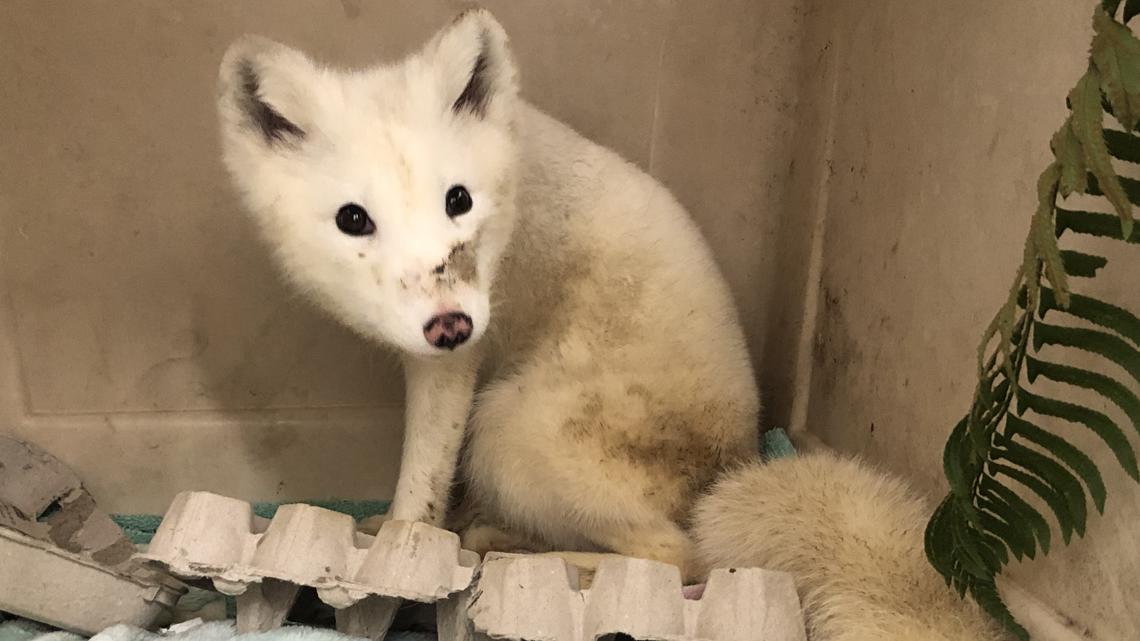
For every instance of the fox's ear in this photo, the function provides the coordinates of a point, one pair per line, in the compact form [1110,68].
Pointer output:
[266,91]
[474,63]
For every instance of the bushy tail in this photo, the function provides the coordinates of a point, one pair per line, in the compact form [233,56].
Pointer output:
[851,537]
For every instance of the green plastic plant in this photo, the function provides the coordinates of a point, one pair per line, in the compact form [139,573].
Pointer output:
[1000,452]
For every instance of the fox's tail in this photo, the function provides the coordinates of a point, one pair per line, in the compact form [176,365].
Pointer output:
[852,539]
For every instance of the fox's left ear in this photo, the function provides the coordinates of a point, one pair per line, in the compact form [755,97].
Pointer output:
[474,63]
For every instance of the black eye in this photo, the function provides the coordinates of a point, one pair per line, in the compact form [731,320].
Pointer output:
[354,221]
[457,201]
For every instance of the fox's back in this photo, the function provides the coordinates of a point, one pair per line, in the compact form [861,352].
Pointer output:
[604,258]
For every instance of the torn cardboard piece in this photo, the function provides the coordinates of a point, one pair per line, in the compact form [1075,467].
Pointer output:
[42,498]
[265,562]
[63,561]
[41,582]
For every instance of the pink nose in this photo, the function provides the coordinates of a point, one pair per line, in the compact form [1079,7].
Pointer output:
[448,331]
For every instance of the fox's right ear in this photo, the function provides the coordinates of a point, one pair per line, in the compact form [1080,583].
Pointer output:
[266,92]
[474,64]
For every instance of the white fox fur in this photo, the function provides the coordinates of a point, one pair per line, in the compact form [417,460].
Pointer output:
[605,384]
[852,538]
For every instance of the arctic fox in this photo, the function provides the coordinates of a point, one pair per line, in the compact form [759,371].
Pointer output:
[561,322]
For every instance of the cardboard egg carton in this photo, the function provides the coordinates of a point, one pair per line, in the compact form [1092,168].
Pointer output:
[265,562]
[537,598]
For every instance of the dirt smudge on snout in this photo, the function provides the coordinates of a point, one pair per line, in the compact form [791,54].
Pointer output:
[460,266]
[461,262]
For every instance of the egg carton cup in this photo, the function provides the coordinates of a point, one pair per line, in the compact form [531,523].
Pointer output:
[536,598]
[265,562]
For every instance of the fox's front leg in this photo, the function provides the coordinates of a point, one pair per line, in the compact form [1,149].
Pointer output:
[438,401]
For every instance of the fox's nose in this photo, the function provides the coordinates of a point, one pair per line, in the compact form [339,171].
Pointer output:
[448,331]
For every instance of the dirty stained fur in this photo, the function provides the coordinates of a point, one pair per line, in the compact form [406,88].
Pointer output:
[605,385]
[619,383]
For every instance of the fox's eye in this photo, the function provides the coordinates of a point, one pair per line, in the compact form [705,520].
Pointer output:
[458,201]
[353,220]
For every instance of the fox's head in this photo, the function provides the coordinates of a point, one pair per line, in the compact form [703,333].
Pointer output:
[388,193]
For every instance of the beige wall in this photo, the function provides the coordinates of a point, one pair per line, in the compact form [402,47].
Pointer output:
[942,118]
[145,338]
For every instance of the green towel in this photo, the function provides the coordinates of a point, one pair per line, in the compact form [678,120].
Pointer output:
[140,528]
[775,444]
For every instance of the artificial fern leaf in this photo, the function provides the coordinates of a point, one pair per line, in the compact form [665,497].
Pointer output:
[1002,388]
[972,559]
[1081,265]
[996,551]
[1089,129]
[1131,8]
[1003,327]
[1117,319]
[1099,423]
[1090,340]
[1077,460]
[988,552]
[1116,54]
[952,462]
[939,541]
[1014,538]
[987,596]
[1020,511]
[995,518]
[984,522]
[1067,149]
[1066,521]
[995,389]
[1056,477]
[1107,387]
[1043,233]
[1122,146]
[1092,224]
[1131,188]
